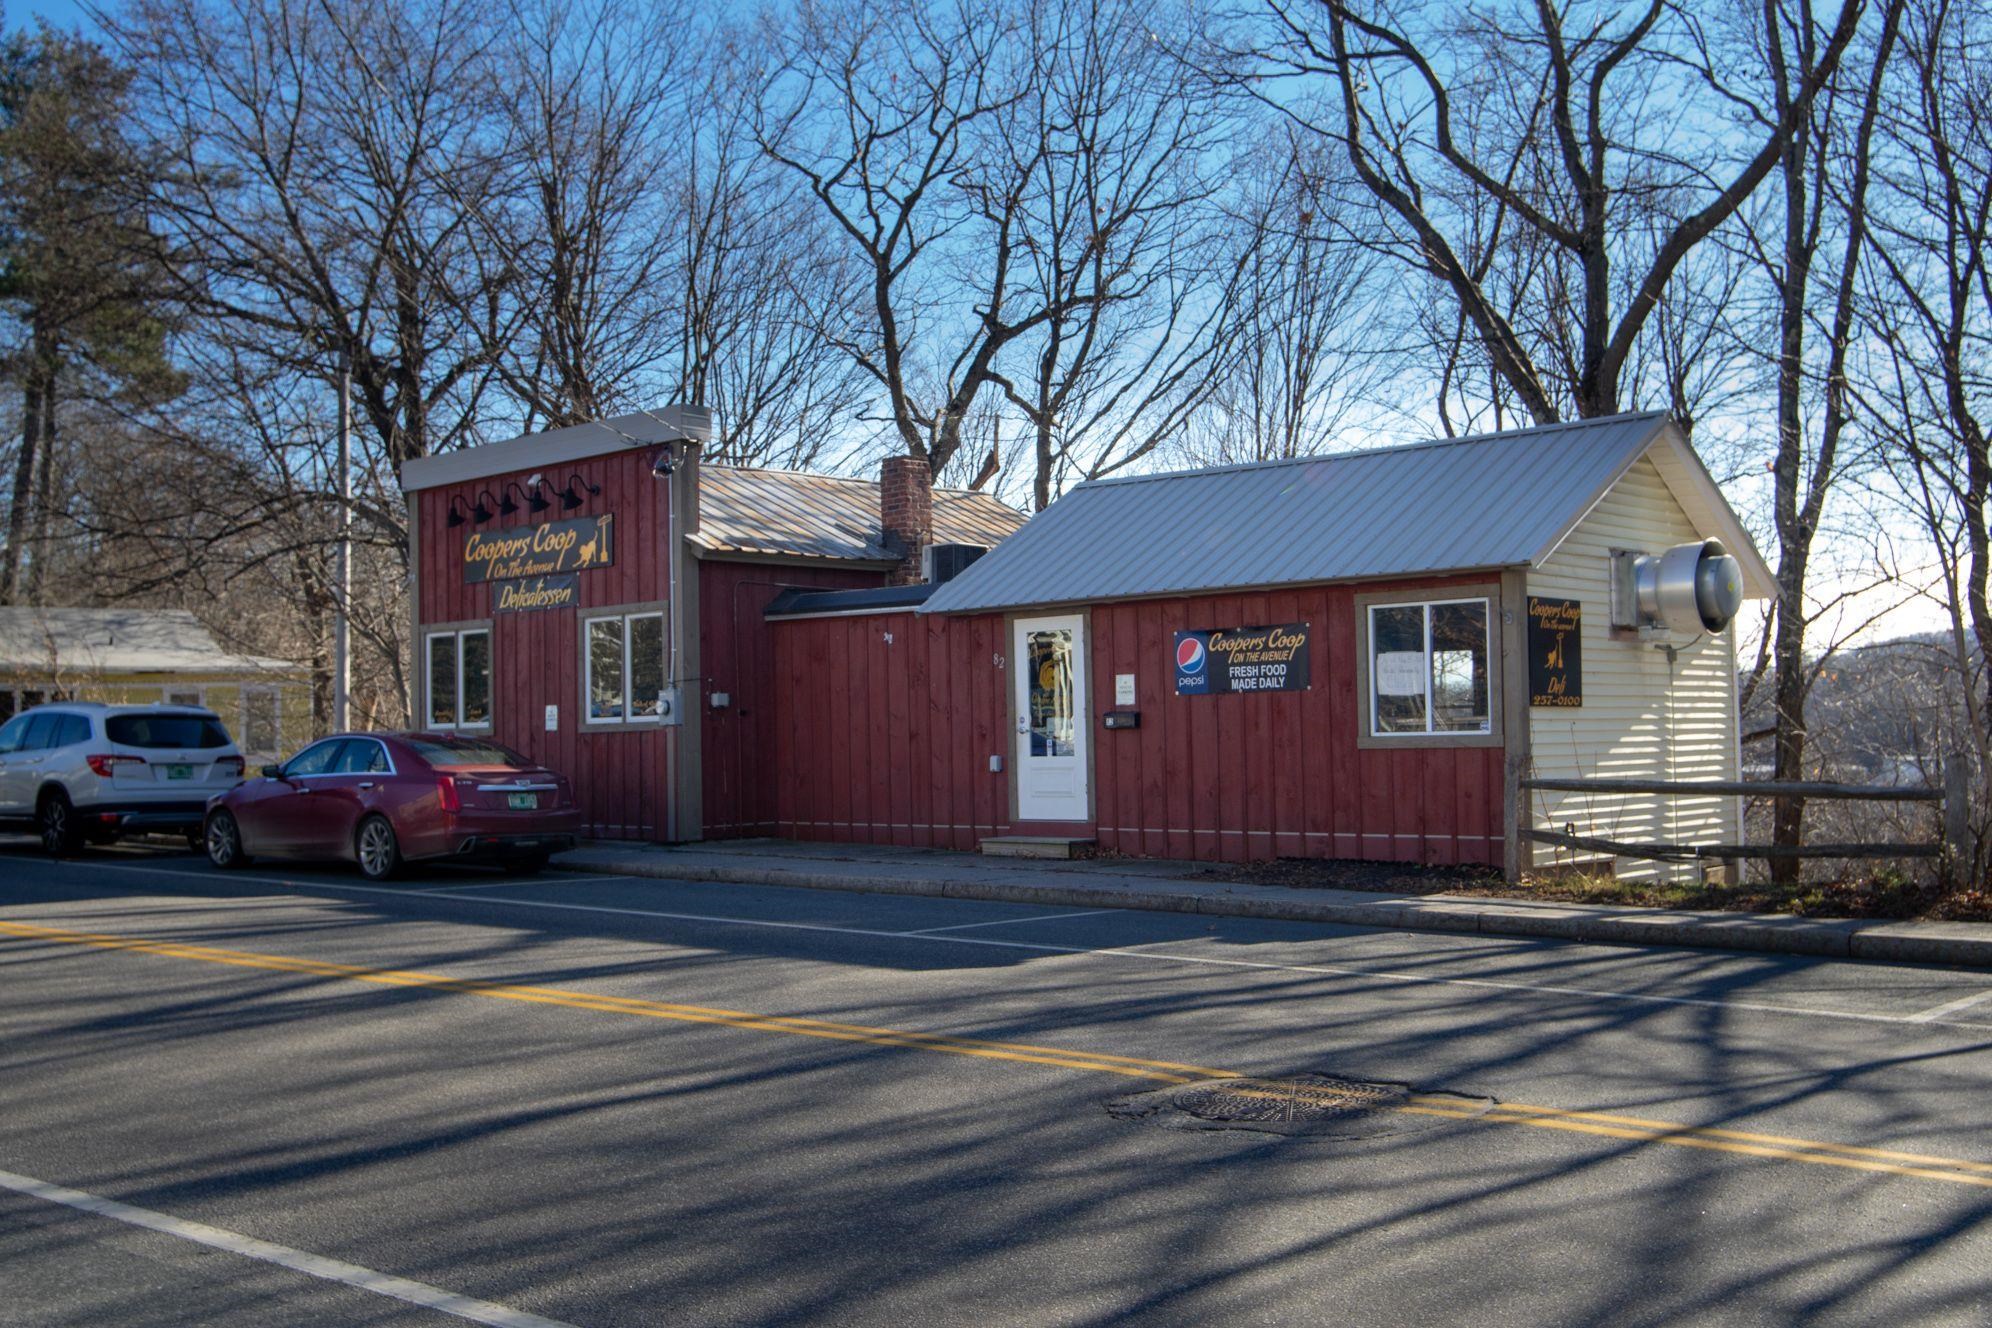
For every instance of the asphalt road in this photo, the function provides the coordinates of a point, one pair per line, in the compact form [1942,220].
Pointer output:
[282,1097]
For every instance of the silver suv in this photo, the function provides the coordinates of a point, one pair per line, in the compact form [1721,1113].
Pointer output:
[82,770]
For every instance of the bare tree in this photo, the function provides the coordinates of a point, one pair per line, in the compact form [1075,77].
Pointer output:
[1823,174]
[1118,241]
[1557,122]
[1929,316]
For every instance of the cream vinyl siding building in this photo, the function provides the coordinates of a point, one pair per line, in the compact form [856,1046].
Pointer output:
[1645,714]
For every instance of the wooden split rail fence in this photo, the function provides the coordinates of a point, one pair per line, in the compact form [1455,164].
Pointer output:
[1953,796]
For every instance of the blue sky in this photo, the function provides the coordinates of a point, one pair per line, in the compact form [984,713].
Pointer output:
[61,13]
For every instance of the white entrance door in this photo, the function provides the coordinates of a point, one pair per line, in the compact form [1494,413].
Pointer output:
[1051,761]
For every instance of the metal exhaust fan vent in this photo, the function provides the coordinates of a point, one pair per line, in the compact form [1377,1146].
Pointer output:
[1689,589]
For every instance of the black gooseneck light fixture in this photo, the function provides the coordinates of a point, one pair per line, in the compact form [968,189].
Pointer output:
[509,506]
[570,497]
[482,511]
[456,518]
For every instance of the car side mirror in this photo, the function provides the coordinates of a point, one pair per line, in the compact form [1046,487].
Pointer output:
[273,772]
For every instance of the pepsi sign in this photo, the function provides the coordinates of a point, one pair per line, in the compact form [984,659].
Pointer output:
[1242,659]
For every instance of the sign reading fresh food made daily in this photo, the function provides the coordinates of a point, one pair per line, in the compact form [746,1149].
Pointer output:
[548,550]
[1242,659]
[537,592]
[1556,652]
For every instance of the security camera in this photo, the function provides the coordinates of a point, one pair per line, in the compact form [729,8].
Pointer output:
[667,461]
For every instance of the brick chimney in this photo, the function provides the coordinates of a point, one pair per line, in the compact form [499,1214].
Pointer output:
[906,513]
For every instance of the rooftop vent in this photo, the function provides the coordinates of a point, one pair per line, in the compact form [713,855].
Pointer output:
[945,562]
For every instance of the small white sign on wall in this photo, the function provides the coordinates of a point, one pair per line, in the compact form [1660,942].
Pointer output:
[553,719]
[1123,689]
[1400,673]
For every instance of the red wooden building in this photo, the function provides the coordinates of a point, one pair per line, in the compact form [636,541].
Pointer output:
[1340,656]
[593,597]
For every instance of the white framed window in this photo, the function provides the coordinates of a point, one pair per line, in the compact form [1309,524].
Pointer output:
[261,716]
[457,674]
[1430,668]
[622,669]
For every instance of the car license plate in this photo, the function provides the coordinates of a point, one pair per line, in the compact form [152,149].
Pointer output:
[524,802]
[179,772]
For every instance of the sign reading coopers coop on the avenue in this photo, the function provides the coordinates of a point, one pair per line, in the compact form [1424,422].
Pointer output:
[1242,659]
[548,550]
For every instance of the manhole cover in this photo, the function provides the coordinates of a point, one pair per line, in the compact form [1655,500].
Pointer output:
[1309,1104]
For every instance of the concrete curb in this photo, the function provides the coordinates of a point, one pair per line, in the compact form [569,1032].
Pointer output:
[1957,945]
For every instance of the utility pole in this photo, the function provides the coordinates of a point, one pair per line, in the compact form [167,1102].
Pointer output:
[342,653]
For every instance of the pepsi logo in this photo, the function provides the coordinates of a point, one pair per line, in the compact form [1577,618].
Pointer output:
[1189,654]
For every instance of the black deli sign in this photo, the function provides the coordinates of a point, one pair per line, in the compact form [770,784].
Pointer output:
[1242,659]
[1556,652]
[549,550]
[539,592]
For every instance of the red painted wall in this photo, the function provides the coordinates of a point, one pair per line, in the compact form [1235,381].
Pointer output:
[621,779]
[881,741]
[890,743]
[738,648]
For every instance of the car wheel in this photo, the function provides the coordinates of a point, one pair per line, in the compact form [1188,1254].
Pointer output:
[223,842]
[525,864]
[378,851]
[61,834]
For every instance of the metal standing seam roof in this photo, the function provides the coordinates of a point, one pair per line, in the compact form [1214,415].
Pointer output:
[796,514]
[1490,501]
[45,641]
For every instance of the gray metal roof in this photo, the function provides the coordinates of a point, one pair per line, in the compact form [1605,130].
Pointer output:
[556,446]
[794,514]
[45,641]
[1491,501]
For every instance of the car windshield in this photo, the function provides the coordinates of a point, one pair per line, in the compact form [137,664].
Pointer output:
[165,731]
[446,752]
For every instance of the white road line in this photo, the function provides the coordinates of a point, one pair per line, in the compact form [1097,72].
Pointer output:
[1005,922]
[563,879]
[311,1265]
[1936,1013]
[1040,947]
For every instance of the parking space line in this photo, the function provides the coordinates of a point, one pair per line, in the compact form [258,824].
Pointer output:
[1006,922]
[1937,1012]
[1395,977]
[311,1265]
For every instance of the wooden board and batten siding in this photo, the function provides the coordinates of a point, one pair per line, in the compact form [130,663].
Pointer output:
[1642,717]
[621,778]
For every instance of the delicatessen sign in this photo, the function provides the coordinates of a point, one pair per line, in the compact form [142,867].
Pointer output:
[539,592]
[1242,659]
[550,550]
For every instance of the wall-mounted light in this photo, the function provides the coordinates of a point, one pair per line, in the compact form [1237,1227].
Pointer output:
[509,506]
[482,511]
[666,462]
[570,497]
[456,518]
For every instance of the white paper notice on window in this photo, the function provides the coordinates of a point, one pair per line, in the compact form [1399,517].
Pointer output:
[1400,673]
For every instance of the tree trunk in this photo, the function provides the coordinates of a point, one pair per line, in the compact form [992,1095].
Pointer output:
[19,518]
[44,497]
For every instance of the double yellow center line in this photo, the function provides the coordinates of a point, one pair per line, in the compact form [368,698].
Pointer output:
[1777,1147]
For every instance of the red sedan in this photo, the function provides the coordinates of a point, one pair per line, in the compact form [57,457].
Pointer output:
[382,799]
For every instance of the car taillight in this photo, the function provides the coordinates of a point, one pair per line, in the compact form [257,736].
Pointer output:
[230,763]
[104,765]
[446,794]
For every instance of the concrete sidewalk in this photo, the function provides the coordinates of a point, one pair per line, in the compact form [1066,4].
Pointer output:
[1148,884]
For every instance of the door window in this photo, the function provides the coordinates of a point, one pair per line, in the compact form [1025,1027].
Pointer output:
[362,756]
[14,732]
[317,759]
[41,732]
[1050,697]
